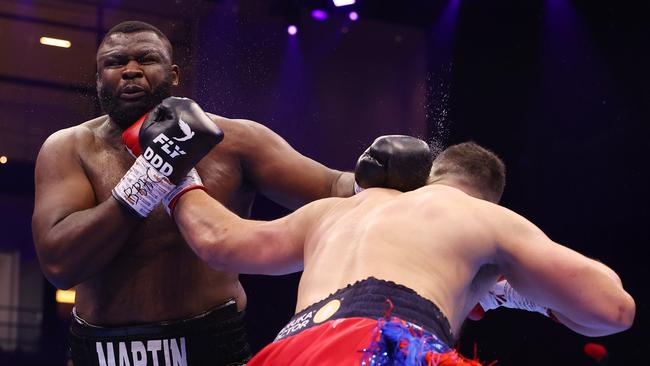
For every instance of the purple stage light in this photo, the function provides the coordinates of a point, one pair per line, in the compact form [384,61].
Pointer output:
[353,16]
[343,2]
[292,30]
[319,15]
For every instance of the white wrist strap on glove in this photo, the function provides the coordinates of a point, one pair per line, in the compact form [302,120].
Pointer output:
[191,181]
[142,187]
[502,294]
[357,188]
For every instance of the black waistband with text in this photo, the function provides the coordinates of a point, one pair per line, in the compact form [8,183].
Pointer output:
[372,298]
[216,337]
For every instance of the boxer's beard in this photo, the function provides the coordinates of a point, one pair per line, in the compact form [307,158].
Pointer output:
[125,115]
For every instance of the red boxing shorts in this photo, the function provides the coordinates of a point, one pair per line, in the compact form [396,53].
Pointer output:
[370,323]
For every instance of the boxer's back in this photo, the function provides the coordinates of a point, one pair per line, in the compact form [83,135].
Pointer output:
[155,275]
[433,240]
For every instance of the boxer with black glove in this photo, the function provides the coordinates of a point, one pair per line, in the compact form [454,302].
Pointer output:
[426,255]
[119,264]
[394,161]
[131,139]
[173,138]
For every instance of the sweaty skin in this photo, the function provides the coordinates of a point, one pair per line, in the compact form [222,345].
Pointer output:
[446,245]
[131,271]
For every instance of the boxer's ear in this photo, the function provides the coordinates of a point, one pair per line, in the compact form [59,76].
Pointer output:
[176,75]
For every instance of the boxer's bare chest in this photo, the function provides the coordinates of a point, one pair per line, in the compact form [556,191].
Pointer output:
[155,264]
[147,280]
[220,171]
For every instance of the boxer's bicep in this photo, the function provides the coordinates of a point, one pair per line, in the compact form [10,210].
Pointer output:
[282,173]
[61,185]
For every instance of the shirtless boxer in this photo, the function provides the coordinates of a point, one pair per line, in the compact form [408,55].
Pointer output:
[142,296]
[433,253]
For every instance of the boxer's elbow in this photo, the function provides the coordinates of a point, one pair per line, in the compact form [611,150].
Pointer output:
[57,268]
[622,316]
[59,276]
[618,317]
[623,307]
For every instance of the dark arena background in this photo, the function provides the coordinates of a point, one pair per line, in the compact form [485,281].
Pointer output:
[560,89]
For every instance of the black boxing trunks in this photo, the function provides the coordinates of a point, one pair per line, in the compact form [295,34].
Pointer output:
[372,323]
[216,338]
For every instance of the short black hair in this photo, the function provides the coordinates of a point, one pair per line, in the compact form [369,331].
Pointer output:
[134,26]
[480,167]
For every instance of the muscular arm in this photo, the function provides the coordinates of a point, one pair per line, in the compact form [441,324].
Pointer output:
[283,174]
[585,295]
[74,236]
[228,242]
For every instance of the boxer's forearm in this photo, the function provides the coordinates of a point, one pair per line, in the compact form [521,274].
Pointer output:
[83,243]
[343,185]
[588,331]
[208,227]
[599,329]
[614,310]
[227,242]
[215,234]
[600,305]
[588,297]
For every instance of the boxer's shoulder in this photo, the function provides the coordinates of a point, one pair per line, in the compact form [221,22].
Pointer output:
[68,140]
[76,136]
[240,130]
[243,139]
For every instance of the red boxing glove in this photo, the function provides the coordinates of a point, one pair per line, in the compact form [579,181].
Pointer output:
[131,137]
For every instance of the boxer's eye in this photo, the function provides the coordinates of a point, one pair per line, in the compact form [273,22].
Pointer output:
[114,62]
[147,60]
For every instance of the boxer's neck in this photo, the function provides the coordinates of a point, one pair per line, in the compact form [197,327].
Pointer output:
[458,183]
[111,132]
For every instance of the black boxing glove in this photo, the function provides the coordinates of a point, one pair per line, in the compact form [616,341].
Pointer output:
[173,138]
[394,161]
[176,135]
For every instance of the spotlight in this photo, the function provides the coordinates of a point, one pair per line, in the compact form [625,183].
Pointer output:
[353,16]
[343,2]
[319,15]
[3,159]
[65,296]
[55,42]
[292,30]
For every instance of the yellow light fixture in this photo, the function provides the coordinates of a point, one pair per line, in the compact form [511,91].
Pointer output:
[65,296]
[3,159]
[48,41]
